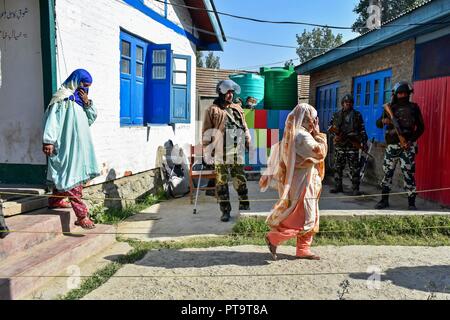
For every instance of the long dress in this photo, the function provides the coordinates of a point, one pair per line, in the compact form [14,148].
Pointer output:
[67,128]
[74,162]
[298,216]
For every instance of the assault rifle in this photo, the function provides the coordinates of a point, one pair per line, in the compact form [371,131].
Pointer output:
[403,142]
[351,137]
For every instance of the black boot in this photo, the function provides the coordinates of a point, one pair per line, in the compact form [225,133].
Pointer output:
[356,191]
[338,188]
[412,203]
[4,231]
[225,216]
[244,204]
[384,202]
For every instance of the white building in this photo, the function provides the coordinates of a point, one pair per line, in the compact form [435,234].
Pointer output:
[141,54]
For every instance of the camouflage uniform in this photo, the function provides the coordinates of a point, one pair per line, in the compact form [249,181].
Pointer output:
[393,154]
[232,163]
[411,122]
[350,126]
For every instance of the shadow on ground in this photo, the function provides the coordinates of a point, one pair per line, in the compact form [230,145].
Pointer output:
[422,278]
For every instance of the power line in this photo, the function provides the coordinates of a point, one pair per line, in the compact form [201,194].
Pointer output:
[297,22]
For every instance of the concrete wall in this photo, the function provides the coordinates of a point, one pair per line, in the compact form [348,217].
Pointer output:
[400,58]
[21,90]
[88,36]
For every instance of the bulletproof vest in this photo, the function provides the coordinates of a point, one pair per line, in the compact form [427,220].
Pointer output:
[405,115]
[234,128]
[346,121]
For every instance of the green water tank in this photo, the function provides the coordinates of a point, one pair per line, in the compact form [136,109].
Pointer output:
[280,88]
[252,85]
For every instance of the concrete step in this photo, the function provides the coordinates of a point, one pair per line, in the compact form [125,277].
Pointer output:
[34,228]
[22,273]
[14,207]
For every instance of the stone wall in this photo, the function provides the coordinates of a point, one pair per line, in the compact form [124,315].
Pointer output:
[127,188]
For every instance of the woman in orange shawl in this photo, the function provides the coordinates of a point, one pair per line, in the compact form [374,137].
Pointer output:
[296,168]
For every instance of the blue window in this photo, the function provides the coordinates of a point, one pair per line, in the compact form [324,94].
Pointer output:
[154,84]
[132,79]
[181,97]
[371,92]
[327,101]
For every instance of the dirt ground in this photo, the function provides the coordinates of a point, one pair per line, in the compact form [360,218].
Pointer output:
[247,272]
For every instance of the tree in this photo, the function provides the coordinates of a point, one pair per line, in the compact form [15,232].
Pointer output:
[390,10]
[212,61]
[199,56]
[316,42]
[289,63]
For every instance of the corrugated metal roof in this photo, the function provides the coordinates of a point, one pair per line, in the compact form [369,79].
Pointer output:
[366,42]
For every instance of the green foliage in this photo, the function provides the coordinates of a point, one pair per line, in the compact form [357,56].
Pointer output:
[390,9]
[199,56]
[211,61]
[316,42]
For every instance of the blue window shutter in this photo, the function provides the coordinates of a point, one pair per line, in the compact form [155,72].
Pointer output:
[158,84]
[181,95]
[132,82]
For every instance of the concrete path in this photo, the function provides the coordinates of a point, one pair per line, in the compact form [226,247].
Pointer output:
[246,272]
[174,219]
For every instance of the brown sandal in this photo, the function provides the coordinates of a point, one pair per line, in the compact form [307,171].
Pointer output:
[85,223]
[272,248]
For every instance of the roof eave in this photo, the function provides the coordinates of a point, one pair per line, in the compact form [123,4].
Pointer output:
[432,11]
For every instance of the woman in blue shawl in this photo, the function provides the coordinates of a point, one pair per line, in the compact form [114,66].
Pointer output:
[68,143]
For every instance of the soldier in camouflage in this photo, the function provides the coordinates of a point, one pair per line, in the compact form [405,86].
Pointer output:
[231,138]
[347,126]
[412,127]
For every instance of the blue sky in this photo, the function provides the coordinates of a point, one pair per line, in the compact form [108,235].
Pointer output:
[237,55]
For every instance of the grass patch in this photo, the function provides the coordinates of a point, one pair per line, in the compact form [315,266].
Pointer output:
[103,215]
[407,231]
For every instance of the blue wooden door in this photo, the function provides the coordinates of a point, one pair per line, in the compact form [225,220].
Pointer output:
[371,92]
[158,85]
[327,103]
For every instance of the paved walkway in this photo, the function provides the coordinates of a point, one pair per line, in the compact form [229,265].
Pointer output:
[174,219]
[246,272]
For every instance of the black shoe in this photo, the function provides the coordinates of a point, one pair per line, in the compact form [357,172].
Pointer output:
[356,192]
[4,231]
[384,202]
[337,189]
[244,205]
[412,203]
[225,216]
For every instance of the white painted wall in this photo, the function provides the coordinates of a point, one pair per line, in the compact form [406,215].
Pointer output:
[21,90]
[89,37]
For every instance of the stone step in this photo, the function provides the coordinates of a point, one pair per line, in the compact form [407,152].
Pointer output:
[24,272]
[31,229]
[22,205]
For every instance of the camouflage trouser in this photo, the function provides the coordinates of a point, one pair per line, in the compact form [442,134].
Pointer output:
[392,155]
[239,183]
[350,156]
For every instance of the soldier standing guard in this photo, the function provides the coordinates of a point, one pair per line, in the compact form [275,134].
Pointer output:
[347,125]
[401,142]
[225,133]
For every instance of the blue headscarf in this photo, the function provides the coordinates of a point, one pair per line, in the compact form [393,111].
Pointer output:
[73,82]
